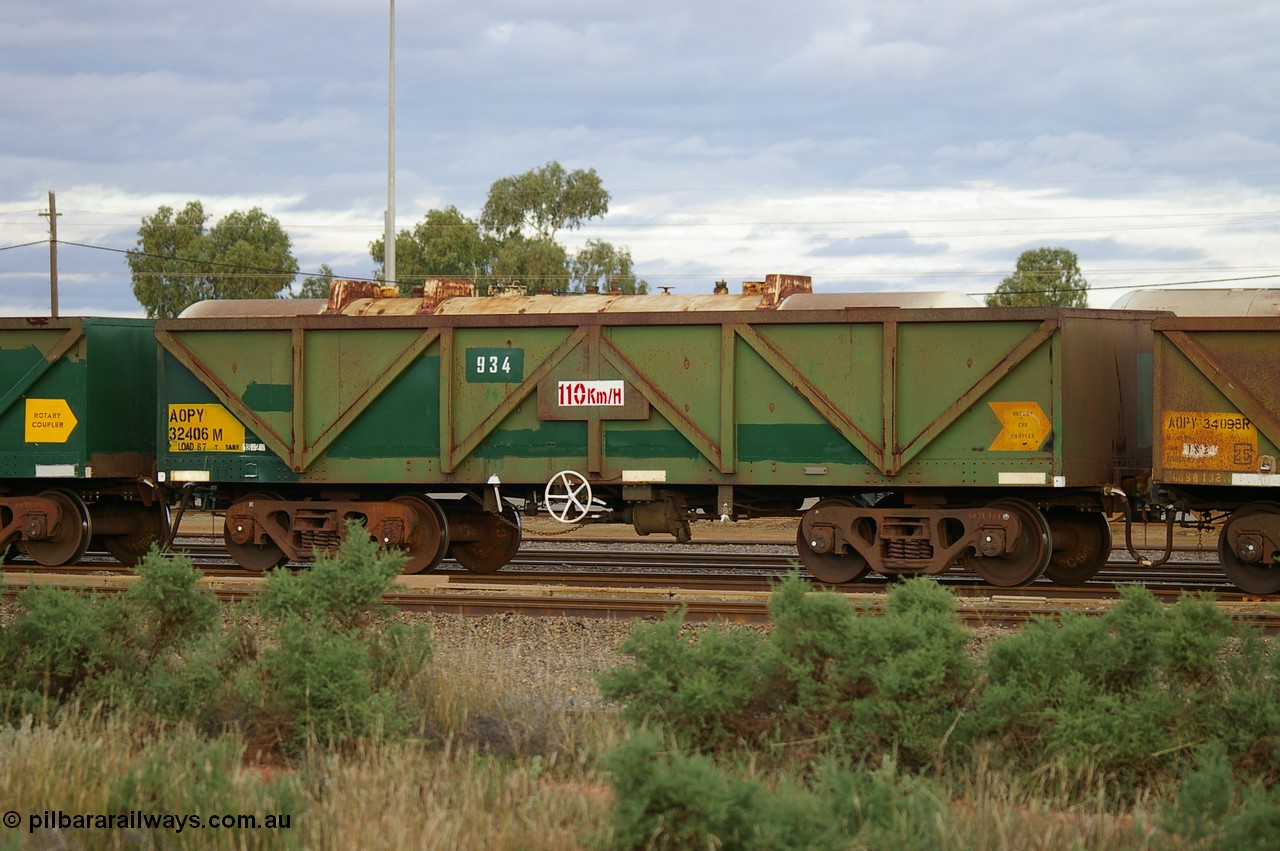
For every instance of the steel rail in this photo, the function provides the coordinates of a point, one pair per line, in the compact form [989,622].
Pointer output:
[1004,610]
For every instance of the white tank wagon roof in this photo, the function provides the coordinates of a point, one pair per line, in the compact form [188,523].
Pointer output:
[1204,302]
[217,308]
[546,304]
[838,301]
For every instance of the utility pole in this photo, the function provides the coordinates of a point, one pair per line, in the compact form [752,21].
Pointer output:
[53,255]
[389,237]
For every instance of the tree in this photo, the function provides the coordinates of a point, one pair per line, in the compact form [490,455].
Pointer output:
[540,264]
[168,264]
[178,262]
[606,267]
[515,237]
[1043,276]
[544,200]
[445,244]
[316,286]
[251,256]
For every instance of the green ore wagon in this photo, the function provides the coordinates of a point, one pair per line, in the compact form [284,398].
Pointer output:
[77,438]
[930,436]
[1217,425]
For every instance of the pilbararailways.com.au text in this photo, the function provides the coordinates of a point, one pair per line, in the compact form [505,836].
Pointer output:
[141,820]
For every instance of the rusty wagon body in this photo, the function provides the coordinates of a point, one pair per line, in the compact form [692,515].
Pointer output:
[929,436]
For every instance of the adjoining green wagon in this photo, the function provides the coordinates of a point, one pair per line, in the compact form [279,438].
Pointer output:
[1216,393]
[932,437]
[77,438]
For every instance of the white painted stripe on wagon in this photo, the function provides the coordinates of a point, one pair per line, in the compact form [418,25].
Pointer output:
[1256,480]
[55,471]
[189,476]
[635,477]
[1023,478]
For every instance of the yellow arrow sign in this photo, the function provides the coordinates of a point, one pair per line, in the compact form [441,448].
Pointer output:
[49,421]
[1023,427]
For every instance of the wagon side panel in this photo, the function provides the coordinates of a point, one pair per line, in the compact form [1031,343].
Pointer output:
[1217,404]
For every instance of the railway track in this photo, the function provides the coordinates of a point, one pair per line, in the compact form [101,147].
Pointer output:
[703,567]
[611,569]
[624,583]
[1000,611]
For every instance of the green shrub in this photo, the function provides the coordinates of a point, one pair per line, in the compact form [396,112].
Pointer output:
[167,607]
[124,650]
[825,679]
[337,591]
[190,685]
[670,799]
[1130,693]
[324,669]
[186,776]
[1212,811]
[1245,711]
[877,685]
[709,692]
[314,686]
[677,801]
[332,669]
[56,643]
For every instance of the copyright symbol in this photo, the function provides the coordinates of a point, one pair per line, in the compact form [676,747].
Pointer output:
[12,819]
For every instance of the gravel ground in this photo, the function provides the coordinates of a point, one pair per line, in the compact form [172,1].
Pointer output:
[561,656]
[556,657]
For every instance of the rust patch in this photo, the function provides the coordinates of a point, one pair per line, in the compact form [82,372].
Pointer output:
[343,292]
[774,288]
[369,298]
[437,290]
[122,465]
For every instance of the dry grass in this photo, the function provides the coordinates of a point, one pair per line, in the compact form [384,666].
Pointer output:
[408,798]
[431,796]
[508,761]
[991,809]
[374,796]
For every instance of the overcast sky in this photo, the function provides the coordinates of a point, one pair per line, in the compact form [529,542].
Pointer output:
[873,145]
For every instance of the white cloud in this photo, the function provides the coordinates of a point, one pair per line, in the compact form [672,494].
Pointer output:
[848,140]
[1226,146]
[851,56]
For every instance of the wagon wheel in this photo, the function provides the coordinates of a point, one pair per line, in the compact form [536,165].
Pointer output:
[499,545]
[568,496]
[68,543]
[430,539]
[1029,554]
[251,556]
[1261,576]
[1081,545]
[831,568]
[152,526]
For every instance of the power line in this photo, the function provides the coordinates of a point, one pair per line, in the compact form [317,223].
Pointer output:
[267,270]
[259,271]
